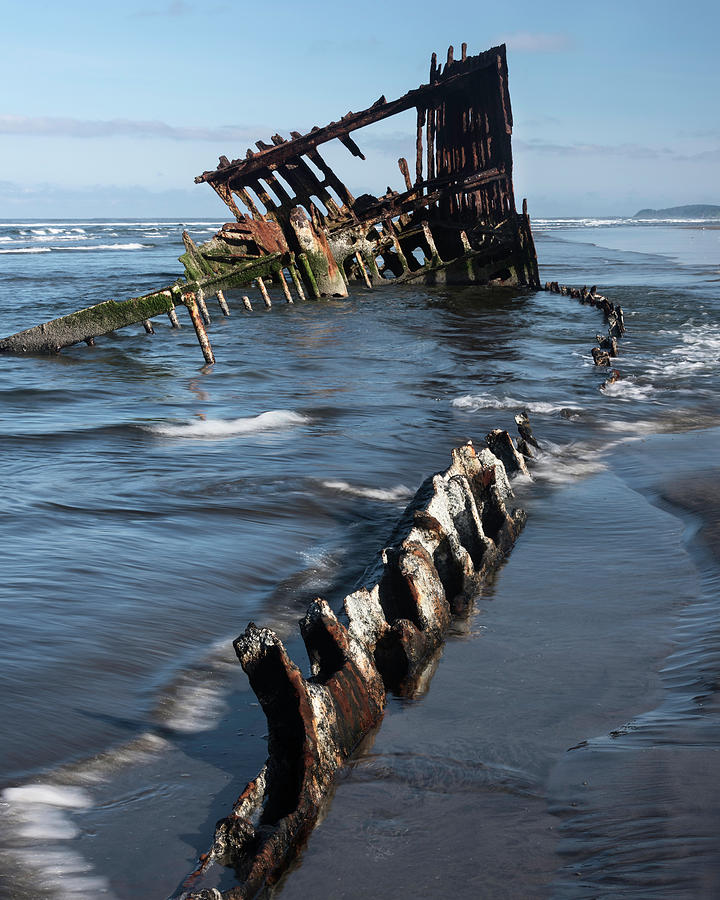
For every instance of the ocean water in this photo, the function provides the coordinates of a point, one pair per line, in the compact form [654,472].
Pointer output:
[567,743]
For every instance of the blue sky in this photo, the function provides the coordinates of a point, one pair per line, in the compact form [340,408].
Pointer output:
[112,109]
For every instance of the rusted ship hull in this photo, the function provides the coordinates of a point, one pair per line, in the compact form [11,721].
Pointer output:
[297,225]
[455,222]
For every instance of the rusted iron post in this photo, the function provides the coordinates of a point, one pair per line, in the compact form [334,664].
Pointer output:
[264,292]
[203,306]
[285,288]
[295,275]
[419,145]
[390,228]
[247,304]
[372,267]
[405,172]
[147,325]
[363,271]
[222,302]
[306,269]
[174,321]
[190,301]
[502,445]
[435,256]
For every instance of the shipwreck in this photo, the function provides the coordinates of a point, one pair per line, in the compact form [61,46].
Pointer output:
[298,230]
[297,226]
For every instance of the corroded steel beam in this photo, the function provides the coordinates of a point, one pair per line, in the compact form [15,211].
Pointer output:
[424,96]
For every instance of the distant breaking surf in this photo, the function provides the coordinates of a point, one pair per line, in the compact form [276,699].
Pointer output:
[274,419]
[475,402]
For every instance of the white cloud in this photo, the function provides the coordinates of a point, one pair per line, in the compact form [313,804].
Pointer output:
[58,126]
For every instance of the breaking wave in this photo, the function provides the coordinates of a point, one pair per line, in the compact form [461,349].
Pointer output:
[274,419]
[563,464]
[590,222]
[68,249]
[29,250]
[48,795]
[108,247]
[699,350]
[195,703]
[40,819]
[474,402]
[399,492]
[624,389]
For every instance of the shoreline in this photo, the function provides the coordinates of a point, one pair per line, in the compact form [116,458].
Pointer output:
[532,348]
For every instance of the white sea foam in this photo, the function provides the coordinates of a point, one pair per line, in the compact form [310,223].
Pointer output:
[693,350]
[48,795]
[700,344]
[590,222]
[558,464]
[108,247]
[77,234]
[577,223]
[637,426]
[488,401]
[29,250]
[399,492]
[65,873]
[133,753]
[194,706]
[273,420]
[39,818]
[625,389]
[321,558]
[40,824]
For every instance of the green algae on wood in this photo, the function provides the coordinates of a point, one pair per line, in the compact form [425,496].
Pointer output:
[88,323]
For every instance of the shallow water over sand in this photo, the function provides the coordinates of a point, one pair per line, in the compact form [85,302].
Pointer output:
[152,508]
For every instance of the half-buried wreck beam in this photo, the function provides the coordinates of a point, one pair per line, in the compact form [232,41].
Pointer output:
[450,539]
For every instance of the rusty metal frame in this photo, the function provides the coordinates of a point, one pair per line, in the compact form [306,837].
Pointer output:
[455,223]
[459,211]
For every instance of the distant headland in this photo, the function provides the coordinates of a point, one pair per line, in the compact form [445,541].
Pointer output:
[696,211]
